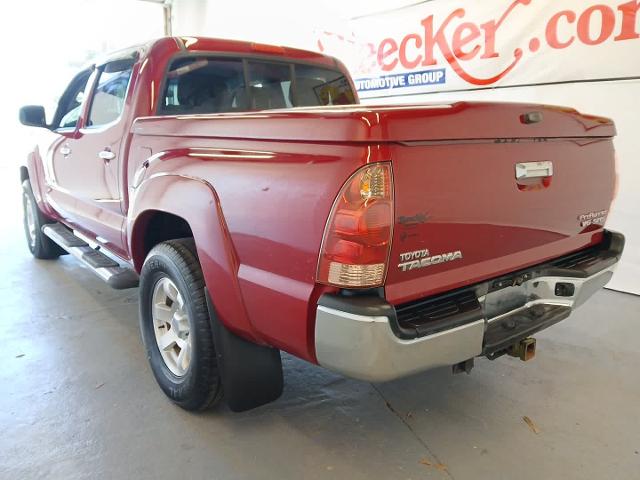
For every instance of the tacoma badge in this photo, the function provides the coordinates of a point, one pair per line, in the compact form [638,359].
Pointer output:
[422,259]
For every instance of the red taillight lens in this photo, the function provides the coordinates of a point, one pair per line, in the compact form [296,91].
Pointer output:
[357,239]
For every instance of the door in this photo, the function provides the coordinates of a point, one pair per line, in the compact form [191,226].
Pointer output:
[87,163]
[54,146]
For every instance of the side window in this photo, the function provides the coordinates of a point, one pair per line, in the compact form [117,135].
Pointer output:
[202,85]
[270,85]
[108,99]
[317,86]
[70,104]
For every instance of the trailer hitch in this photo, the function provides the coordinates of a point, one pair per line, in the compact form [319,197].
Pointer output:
[525,349]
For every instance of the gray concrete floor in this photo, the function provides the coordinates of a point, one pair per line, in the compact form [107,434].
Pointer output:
[77,399]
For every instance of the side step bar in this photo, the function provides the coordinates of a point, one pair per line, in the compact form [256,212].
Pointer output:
[116,275]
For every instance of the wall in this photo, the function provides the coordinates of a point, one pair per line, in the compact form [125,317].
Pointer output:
[46,44]
[580,53]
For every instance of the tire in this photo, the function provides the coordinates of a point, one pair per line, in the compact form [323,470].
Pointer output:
[194,382]
[39,244]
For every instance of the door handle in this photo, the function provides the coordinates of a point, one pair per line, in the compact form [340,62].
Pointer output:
[534,170]
[107,155]
[65,150]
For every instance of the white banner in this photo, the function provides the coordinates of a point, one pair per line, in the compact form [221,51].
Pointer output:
[446,45]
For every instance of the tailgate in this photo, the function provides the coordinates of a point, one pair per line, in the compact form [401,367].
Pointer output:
[462,216]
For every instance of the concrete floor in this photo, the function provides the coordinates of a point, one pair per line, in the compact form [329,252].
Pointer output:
[77,400]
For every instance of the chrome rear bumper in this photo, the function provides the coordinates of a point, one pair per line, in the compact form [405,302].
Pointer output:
[360,337]
[366,348]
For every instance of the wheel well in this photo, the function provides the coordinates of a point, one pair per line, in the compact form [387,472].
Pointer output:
[153,228]
[24,174]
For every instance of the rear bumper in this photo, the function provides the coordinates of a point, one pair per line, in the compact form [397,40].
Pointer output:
[366,338]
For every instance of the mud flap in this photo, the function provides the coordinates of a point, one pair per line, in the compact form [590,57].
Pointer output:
[251,374]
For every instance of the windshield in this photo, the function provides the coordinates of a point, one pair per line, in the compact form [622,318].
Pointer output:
[216,85]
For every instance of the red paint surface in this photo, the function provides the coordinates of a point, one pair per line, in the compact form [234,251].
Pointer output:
[257,189]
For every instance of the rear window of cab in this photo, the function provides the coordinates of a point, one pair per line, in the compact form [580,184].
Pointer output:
[197,85]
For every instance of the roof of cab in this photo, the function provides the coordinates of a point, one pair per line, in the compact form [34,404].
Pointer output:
[200,45]
[207,44]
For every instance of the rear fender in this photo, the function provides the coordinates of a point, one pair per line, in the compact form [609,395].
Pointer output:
[196,201]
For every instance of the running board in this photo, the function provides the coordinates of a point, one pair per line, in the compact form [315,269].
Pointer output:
[117,276]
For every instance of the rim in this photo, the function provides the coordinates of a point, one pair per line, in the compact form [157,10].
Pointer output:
[31,220]
[171,326]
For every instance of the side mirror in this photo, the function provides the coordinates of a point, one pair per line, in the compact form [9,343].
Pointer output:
[33,116]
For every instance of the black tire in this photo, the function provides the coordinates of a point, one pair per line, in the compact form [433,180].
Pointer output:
[200,387]
[39,244]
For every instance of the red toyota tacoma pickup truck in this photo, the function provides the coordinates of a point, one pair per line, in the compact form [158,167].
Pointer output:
[260,208]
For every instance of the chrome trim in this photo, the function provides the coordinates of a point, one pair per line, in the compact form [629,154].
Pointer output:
[365,347]
[106,155]
[105,273]
[101,244]
[534,170]
[541,291]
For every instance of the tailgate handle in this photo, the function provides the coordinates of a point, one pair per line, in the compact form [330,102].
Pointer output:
[534,170]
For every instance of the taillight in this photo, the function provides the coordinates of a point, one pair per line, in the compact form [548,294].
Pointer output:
[357,238]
